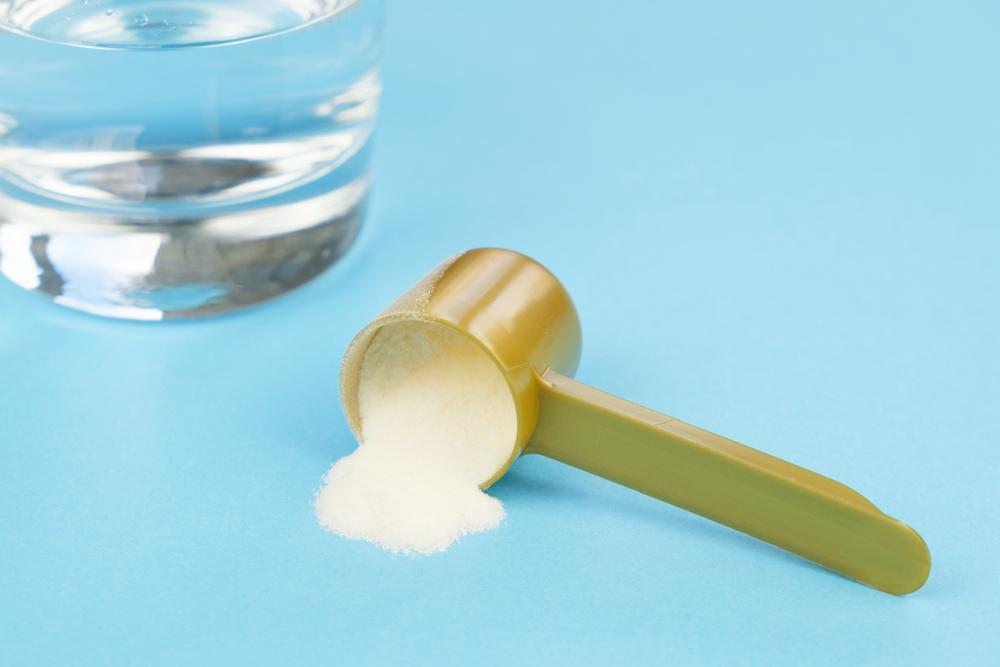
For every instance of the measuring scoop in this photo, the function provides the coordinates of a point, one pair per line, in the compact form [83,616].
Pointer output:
[522,316]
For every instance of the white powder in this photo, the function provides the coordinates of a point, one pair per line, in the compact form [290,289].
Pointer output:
[437,420]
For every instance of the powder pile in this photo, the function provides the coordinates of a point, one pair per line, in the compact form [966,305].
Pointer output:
[437,420]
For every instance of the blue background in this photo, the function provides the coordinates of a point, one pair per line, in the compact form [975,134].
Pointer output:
[780,222]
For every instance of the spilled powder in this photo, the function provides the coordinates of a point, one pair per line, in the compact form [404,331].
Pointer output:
[437,420]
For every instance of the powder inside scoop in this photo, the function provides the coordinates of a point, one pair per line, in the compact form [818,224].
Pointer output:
[437,420]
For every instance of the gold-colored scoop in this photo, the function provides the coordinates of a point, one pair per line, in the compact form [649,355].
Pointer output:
[523,317]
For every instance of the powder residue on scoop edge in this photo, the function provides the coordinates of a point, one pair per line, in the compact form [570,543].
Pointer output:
[437,421]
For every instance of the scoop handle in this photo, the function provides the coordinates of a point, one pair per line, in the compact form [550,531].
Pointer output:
[743,488]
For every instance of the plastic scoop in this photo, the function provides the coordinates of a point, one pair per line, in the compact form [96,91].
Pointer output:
[524,319]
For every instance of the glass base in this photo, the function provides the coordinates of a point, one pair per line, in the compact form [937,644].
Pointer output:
[190,265]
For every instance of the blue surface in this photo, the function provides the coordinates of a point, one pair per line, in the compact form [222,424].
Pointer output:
[780,222]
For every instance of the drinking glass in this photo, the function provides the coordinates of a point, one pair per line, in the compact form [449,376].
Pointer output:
[170,158]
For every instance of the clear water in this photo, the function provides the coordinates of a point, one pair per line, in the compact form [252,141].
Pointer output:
[162,158]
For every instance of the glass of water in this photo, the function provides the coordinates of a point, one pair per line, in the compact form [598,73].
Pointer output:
[169,158]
